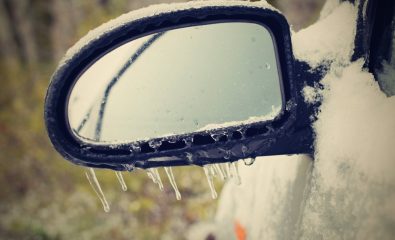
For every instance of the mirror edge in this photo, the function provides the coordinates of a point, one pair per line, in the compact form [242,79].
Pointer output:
[115,156]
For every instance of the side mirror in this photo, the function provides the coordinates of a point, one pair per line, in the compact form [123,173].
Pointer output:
[194,83]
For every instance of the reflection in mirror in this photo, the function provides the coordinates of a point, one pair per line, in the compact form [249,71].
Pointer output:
[178,81]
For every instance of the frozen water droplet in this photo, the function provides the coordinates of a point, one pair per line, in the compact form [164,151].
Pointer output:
[289,105]
[128,167]
[242,132]
[216,137]
[121,181]
[172,140]
[155,144]
[235,173]
[188,141]
[113,146]
[267,65]
[173,183]
[227,154]
[244,150]
[189,157]
[153,174]
[249,161]
[91,176]
[208,172]
[136,148]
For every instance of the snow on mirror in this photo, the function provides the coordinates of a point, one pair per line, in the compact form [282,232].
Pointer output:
[178,81]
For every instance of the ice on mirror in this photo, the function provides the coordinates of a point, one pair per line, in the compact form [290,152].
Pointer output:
[226,167]
[189,157]
[275,111]
[219,171]
[227,154]
[155,144]
[234,172]
[121,181]
[91,176]
[188,141]
[173,183]
[208,170]
[224,171]
[244,150]
[128,167]
[249,161]
[136,148]
[153,174]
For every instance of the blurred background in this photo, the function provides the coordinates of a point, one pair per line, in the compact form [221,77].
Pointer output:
[43,196]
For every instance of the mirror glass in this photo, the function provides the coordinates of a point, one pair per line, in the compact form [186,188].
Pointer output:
[178,81]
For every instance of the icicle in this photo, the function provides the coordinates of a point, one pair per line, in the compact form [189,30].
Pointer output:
[173,183]
[226,167]
[235,173]
[121,181]
[153,174]
[209,175]
[91,176]
[158,179]
[219,170]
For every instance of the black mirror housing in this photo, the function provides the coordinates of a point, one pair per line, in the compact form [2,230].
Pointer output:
[288,133]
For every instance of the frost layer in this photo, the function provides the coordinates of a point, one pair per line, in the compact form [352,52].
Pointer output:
[353,186]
